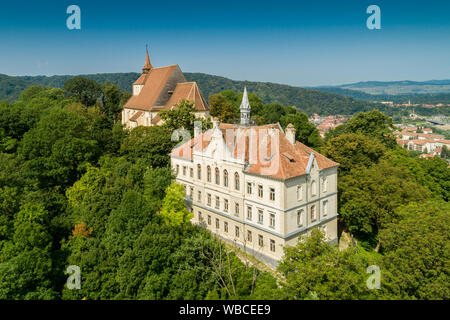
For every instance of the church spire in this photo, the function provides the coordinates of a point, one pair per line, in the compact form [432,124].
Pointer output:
[147,66]
[245,108]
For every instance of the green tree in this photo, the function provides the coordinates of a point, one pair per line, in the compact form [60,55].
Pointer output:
[369,196]
[112,102]
[315,268]
[151,144]
[445,153]
[416,252]
[221,108]
[305,131]
[58,148]
[173,211]
[87,91]
[374,124]
[353,150]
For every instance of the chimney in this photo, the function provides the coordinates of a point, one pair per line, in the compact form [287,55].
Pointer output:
[290,133]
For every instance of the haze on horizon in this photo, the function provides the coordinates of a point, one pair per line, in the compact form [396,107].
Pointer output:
[300,43]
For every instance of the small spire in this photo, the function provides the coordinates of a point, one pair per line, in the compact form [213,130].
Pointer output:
[245,108]
[147,66]
[245,104]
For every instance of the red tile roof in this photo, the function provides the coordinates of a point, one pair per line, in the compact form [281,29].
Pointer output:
[188,91]
[285,161]
[153,86]
[422,141]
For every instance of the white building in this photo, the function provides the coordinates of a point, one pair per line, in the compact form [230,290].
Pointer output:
[256,187]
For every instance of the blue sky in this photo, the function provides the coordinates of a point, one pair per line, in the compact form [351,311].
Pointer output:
[304,43]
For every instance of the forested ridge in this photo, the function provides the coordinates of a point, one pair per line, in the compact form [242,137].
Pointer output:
[323,101]
[78,189]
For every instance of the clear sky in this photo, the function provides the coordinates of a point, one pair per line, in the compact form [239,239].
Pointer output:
[304,43]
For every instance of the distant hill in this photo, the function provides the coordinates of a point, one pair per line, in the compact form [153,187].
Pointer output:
[405,87]
[11,87]
[323,100]
[429,98]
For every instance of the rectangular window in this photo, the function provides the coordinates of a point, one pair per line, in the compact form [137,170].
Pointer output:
[249,213]
[272,220]
[217,223]
[249,187]
[260,241]
[299,193]
[260,216]
[199,172]
[225,227]
[325,208]
[209,199]
[272,245]
[236,209]
[217,202]
[300,218]
[236,232]
[200,218]
[199,196]
[313,213]
[272,194]
[249,236]
[209,220]
[191,192]
[225,205]
[178,169]
[191,172]
[260,191]
[313,188]
[325,184]
[184,170]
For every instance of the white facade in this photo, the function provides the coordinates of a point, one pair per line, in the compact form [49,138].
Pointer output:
[261,214]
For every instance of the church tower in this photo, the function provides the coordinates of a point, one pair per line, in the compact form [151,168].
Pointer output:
[245,109]
[147,66]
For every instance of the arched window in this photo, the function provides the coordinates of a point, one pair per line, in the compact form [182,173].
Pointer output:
[208,173]
[225,178]
[313,188]
[236,181]
[199,172]
[217,176]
